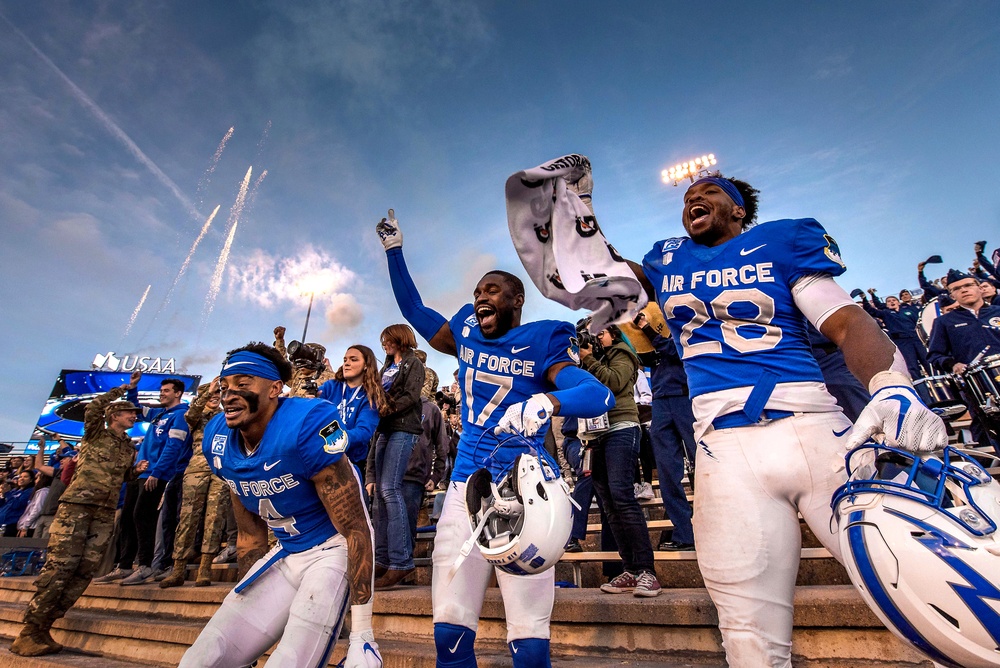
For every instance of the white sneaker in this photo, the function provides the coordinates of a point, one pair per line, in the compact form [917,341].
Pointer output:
[113,576]
[141,575]
[644,491]
[227,555]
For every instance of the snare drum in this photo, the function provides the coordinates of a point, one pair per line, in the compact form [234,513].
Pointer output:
[983,381]
[925,323]
[943,390]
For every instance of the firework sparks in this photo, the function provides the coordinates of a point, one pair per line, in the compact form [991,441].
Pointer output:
[135,313]
[220,266]
[207,176]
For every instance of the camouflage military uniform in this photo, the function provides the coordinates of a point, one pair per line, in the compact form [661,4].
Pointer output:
[84,521]
[203,494]
[430,384]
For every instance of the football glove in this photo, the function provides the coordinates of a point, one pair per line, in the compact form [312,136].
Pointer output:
[389,233]
[582,184]
[362,652]
[525,417]
[898,414]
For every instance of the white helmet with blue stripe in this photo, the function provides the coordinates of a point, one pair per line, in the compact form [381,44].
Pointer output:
[521,522]
[920,542]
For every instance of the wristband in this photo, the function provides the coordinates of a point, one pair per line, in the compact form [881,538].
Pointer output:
[361,617]
[884,379]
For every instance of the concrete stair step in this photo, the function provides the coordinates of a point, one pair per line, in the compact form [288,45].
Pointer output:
[65,659]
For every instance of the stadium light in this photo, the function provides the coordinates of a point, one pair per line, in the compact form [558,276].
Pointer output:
[690,169]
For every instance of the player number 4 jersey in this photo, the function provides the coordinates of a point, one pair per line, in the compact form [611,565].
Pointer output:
[495,373]
[275,481]
[730,307]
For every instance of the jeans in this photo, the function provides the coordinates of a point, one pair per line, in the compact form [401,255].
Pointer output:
[613,470]
[139,523]
[392,454]
[671,432]
[166,526]
[413,496]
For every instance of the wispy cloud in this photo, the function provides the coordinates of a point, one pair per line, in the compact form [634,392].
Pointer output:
[109,124]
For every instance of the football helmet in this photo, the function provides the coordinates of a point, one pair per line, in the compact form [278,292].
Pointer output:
[920,543]
[521,522]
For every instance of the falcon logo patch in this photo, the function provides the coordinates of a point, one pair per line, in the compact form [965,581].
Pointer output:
[334,438]
[832,250]
[574,350]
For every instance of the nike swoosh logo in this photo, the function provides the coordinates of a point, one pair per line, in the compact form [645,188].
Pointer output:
[227,367]
[268,467]
[838,434]
[744,251]
[513,648]
[904,405]
[369,648]
[515,350]
[455,648]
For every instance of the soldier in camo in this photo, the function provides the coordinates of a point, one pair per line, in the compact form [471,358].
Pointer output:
[85,519]
[203,496]
[430,387]
[305,381]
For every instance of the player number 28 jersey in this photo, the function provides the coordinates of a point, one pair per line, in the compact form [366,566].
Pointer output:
[496,373]
[730,307]
[275,481]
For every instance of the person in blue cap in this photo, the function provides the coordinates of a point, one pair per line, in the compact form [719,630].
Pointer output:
[968,332]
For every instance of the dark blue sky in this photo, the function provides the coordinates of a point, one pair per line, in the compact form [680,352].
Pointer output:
[878,119]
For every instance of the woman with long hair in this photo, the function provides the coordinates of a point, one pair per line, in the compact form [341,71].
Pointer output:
[615,452]
[403,378]
[357,392]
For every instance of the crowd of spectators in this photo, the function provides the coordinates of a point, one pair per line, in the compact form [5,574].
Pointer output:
[410,425]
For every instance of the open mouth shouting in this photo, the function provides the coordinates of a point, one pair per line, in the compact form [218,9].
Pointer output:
[698,213]
[486,314]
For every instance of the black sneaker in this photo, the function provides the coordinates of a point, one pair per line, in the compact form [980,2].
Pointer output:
[574,545]
[674,546]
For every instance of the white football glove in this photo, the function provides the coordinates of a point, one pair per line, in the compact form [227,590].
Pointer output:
[389,233]
[898,414]
[582,184]
[526,417]
[362,652]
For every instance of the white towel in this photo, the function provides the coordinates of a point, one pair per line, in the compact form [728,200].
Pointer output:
[561,245]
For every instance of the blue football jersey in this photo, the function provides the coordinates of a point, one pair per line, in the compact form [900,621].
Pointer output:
[493,374]
[730,307]
[275,481]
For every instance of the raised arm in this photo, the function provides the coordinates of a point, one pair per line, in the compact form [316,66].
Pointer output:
[426,321]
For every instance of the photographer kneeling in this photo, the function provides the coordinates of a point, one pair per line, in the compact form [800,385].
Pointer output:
[615,450]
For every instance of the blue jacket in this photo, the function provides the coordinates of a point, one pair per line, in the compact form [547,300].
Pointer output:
[899,324]
[960,335]
[13,504]
[666,377]
[357,416]
[167,444]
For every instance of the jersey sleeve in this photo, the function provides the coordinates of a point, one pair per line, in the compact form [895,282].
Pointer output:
[322,439]
[562,346]
[813,251]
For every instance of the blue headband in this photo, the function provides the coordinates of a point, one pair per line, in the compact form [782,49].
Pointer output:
[726,185]
[249,364]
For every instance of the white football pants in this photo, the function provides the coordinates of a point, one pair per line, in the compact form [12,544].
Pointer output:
[300,599]
[750,483]
[527,599]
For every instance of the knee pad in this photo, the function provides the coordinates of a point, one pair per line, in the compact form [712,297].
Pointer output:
[530,653]
[455,646]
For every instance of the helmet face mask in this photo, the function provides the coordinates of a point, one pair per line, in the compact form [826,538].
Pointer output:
[522,521]
[920,542]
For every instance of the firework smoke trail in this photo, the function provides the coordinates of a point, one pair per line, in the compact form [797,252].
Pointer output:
[109,124]
[263,138]
[207,176]
[220,266]
[252,197]
[135,313]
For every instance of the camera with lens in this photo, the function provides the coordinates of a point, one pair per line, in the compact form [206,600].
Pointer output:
[306,355]
[586,339]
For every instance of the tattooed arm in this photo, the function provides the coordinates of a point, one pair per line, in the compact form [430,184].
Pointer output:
[251,541]
[339,489]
